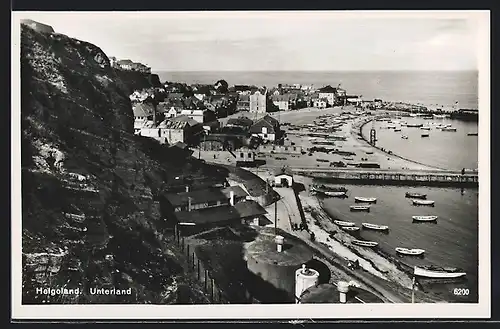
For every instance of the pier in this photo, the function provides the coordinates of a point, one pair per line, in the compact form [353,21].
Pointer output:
[391,177]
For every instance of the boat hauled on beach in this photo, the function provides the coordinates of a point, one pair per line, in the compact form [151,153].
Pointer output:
[338,194]
[344,224]
[404,137]
[414,195]
[359,199]
[435,272]
[418,202]
[360,208]
[365,243]
[409,252]
[449,129]
[424,135]
[472,134]
[424,218]
[375,227]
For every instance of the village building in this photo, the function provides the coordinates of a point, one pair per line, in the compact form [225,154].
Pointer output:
[247,212]
[258,101]
[284,102]
[196,115]
[205,198]
[243,103]
[143,113]
[330,94]
[267,128]
[280,149]
[245,157]
[320,103]
[175,96]
[283,177]
[179,129]
[243,122]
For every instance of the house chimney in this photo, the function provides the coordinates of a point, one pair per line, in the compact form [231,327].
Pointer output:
[189,203]
[231,198]
[187,188]
[343,288]
[279,242]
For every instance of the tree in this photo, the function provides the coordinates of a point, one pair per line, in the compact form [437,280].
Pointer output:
[221,86]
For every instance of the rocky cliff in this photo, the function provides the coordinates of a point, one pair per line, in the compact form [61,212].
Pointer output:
[91,189]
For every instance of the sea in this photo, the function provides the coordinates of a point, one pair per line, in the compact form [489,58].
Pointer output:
[453,240]
[434,89]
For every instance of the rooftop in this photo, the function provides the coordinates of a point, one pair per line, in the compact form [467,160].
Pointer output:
[283,171]
[240,210]
[142,109]
[294,252]
[205,195]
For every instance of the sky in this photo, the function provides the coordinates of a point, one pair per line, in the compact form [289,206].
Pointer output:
[273,41]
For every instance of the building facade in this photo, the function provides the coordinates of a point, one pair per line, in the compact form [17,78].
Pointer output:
[258,101]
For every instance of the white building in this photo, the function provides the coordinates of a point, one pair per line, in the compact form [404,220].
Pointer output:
[196,115]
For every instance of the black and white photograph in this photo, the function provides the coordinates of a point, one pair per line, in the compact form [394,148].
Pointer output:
[314,164]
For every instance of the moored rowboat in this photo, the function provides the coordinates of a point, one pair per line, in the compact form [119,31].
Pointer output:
[366,200]
[423,202]
[360,208]
[424,218]
[438,273]
[375,227]
[415,195]
[410,252]
[350,228]
[335,194]
[344,224]
[365,243]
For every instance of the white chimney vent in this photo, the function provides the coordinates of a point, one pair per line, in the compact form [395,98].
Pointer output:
[231,198]
[279,242]
[187,188]
[343,288]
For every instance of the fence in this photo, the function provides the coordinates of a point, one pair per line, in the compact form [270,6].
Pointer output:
[202,274]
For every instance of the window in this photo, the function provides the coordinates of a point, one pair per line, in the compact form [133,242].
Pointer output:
[265,135]
[249,155]
[264,130]
[241,155]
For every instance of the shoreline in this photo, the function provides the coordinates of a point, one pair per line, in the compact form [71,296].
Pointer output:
[360,134]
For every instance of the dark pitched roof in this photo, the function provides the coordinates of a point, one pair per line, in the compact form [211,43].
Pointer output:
[328,89]
[271,120]
[237,190]
[240,121]
[197,197]
[142,109]
[240,210]
[257,127]
[184,118]
[284,97]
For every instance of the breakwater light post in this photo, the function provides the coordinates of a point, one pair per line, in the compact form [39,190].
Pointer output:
[373,135]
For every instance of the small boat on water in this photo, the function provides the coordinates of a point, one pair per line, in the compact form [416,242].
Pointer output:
[369,152]
[448,129]
[322,160]
[424,135]
[350,228]
[472,134]
[424,218]
[338,194]
[410,252]
[439,116]
[397,129]
[438,272]
[404,137]
[365,243]
[414,125]
[415,195]
[360,208]
[425,128]
[375,227]
[322,187]
[365,200]
[344,224]
[423,202]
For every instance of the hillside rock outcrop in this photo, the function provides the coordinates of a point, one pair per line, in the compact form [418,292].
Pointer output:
[91,189]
